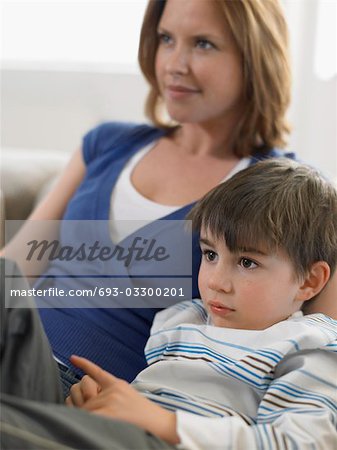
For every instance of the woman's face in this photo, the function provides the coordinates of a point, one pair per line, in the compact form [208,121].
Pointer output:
[198,66]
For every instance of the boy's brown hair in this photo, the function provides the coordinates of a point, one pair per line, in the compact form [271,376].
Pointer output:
[274,204]
[260,32]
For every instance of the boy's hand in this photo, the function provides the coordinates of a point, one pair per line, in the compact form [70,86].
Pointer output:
[117,399]
[83,391]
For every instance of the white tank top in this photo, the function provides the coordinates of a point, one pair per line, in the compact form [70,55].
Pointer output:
[128,207]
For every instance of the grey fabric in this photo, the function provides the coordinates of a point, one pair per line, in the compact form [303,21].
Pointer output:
[33,425]
[28,369]
[33,415]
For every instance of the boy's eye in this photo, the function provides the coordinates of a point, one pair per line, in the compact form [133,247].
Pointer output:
[247,263]
[204,44]
[210,255]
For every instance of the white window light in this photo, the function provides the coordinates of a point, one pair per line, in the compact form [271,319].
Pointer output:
[71,32]
[325,65]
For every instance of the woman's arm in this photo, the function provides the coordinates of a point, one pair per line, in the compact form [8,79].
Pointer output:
[51,208]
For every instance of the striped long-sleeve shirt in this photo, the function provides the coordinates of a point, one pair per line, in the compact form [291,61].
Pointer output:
[244,389]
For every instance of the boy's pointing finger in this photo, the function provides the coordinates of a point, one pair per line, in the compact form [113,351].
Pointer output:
[102,377]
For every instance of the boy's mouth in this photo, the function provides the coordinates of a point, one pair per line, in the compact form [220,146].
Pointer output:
[219,309]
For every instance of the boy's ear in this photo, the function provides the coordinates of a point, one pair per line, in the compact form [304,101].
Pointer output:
[314,281]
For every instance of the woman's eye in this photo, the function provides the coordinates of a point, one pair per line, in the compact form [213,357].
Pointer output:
[204,44]
[247,263]
[164,38]
[209,255]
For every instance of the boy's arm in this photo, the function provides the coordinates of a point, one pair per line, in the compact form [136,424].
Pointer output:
[117,399]
[298,411]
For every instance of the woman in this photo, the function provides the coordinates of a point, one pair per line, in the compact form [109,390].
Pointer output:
[220,70]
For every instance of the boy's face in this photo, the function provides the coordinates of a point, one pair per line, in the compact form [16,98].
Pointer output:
[250,289]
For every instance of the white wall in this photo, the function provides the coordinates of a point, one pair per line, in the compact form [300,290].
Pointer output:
[52,109]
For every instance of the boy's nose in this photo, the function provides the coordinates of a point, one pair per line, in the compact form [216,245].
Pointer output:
[220,282]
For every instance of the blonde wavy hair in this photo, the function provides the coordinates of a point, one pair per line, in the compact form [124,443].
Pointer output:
[261,35]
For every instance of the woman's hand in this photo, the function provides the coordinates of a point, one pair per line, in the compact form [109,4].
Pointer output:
[104,394]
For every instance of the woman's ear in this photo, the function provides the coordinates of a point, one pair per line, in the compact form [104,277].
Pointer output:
[314,281]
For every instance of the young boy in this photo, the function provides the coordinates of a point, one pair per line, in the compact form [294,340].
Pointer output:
[242,368]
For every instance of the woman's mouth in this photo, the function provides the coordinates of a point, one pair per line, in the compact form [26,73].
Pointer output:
[180,92]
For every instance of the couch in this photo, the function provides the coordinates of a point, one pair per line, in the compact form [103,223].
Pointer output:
[26,176]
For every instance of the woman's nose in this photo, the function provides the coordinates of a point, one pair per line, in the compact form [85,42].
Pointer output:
[178,61]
